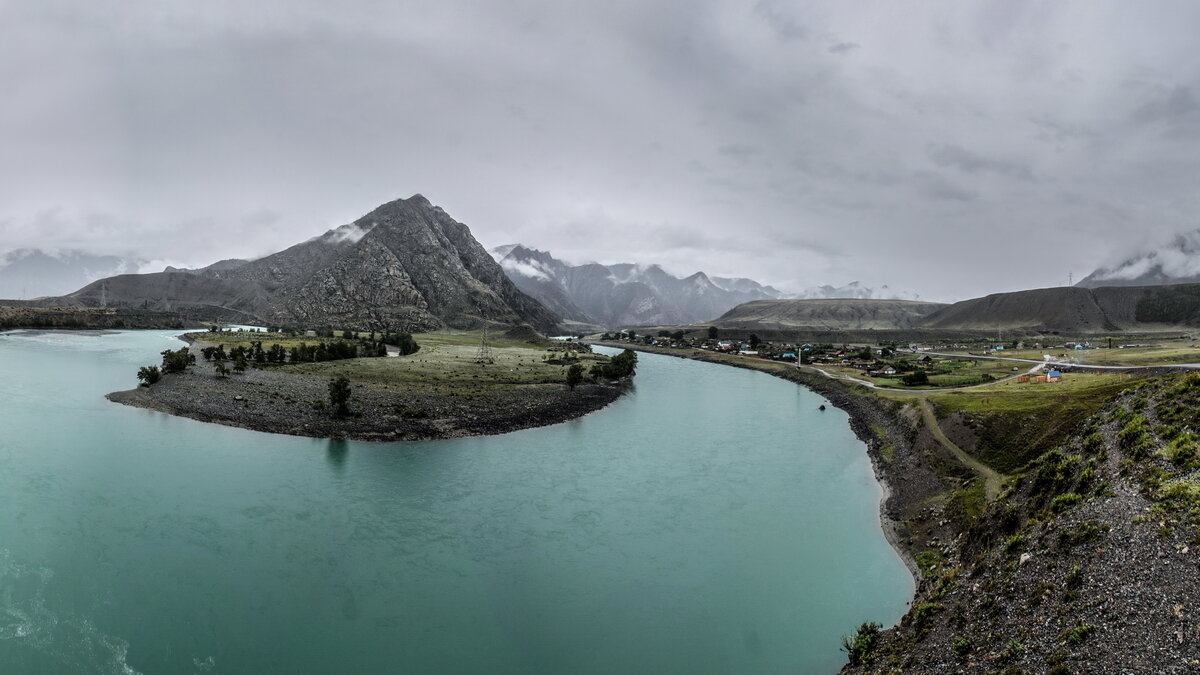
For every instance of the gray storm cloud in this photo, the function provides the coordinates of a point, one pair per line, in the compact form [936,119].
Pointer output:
[946,148]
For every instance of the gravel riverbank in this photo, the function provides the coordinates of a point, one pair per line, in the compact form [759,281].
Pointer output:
[289,403]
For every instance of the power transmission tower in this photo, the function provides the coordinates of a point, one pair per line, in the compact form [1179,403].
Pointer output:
[485,350]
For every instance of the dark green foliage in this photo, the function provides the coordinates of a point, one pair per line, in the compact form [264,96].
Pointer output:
[176,361]
[712,333]
[1083,533]
[221,368]
[677,335]
[618,367]
[1009,518]
[1077,634]
[1039,593]
[1075,577]
[339,396]
[1135,438]
[860,645]
[1014,544]
[1065,501]
[404,341]
[239,363]
[921,616]
[1054,473]
[574,375]
[914,379]
[148,375]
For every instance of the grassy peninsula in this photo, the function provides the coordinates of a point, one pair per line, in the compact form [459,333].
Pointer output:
[443,390]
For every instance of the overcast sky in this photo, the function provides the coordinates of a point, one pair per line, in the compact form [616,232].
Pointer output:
[952,149]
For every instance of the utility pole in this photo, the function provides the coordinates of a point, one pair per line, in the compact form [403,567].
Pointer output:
[485,350]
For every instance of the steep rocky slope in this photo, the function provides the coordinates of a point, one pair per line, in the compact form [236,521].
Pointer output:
[842,314]
[623,294]
[1086,564]
[406,265]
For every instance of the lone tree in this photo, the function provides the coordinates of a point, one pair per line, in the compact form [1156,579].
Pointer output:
[239,363]
[574,375]
[712,333]
[148,375]
[339,396]
[221,368]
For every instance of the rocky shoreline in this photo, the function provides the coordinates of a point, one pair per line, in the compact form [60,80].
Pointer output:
[295,404]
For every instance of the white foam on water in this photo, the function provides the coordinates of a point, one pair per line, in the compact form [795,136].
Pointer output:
[71,640]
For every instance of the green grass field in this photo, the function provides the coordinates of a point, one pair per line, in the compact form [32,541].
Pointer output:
[449,360]
[1162,352]
[962,374]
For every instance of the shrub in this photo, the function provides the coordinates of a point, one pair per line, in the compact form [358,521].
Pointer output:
[921,616]
[1014,543]
[1055,471]
[1075,577]
[859,646]
[1065,501]
[148,375]
[1183,493]
[1077,633]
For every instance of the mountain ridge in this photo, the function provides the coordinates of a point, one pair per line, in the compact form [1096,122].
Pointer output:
[406,265]
[622,294]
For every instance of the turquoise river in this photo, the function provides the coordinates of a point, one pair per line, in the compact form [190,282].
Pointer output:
[711,521]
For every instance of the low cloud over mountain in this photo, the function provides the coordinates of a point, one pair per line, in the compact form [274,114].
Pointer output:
[1176,261]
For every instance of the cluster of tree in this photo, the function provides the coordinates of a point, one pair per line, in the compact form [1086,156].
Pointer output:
[173,361]
[334,351]
[618,367]
[177,360]
[403,341]
[677,335]
[302,353]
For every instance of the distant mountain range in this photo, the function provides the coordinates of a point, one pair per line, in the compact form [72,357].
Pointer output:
[630,294]
[623,294]
[809,315]
[32,273]
[1175,262]
[407,265]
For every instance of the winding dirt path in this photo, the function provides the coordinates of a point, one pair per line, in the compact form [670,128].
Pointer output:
[991,479]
